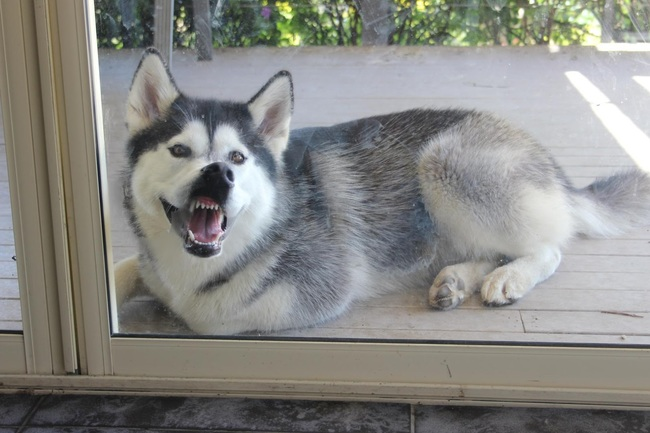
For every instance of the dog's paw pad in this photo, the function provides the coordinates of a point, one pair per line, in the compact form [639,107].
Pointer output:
[447,292]
[502,287]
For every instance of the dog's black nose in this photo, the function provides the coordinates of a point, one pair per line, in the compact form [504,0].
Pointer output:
[219,171]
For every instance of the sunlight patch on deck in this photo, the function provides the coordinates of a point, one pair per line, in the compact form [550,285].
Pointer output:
[643,81]
[618,47]
[629,136]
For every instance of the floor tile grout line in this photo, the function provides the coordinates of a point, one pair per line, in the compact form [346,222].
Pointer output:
[412,419]
[30,415]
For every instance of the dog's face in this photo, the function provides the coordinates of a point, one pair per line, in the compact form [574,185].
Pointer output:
[205,167]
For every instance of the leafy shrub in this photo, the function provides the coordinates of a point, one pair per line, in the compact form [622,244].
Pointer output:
[245,23]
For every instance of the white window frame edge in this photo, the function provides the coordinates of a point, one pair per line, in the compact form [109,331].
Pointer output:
[80,131]
[478,374]
[34,196]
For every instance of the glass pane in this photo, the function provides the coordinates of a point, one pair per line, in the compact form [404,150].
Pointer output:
[572,74]
[10,316]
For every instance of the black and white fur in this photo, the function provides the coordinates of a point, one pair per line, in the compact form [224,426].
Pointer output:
[295,226]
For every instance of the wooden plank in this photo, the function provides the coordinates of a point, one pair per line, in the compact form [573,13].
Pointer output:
[572,322]
[638,233]
[569,151]
[9,288]
[380,318]
[542,298]
[409,318]
[601,162]
[123,238]
[6,223]
[10,310]
[120,253]
[603,263]
[468,337]
[611,281]
[9,284]
[4,192]
[8,269]
[6,237]
[610,247]
[9,325]
[149,317]
[7,253]
[595,171]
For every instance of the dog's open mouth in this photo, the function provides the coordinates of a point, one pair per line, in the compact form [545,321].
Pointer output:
[202,225]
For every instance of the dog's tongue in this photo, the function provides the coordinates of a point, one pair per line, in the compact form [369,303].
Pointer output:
[206,225]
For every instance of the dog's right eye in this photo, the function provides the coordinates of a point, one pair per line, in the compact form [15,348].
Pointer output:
[180,151]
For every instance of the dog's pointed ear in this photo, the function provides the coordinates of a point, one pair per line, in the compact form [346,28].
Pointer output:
[152,92]
[271,109]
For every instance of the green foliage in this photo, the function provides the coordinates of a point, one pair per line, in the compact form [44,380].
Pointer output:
[328,22]
[248,22]
[124,24]
[130,23]
[633,24]
[495,22]
[245,23]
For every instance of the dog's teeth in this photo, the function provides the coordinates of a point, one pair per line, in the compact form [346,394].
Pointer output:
[200,205]
[190,235]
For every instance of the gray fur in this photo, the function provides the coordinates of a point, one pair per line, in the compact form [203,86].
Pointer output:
[613,205]
[460,199]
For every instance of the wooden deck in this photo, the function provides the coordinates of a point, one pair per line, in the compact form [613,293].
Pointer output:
[10,318]
[601,293]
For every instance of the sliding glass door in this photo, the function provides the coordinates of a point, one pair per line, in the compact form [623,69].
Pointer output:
[550,348]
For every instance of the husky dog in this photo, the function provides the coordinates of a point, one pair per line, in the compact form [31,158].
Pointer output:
[246,226]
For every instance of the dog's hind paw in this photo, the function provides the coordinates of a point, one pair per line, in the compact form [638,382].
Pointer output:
[457,282]
[502,287]
[447,291]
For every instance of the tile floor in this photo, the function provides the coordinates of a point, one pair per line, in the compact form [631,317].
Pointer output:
[93,413]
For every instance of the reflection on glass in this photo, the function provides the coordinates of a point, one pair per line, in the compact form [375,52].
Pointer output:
[10,316]
[544,67]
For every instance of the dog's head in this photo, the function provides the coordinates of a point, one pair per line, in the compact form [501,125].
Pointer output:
[205,166]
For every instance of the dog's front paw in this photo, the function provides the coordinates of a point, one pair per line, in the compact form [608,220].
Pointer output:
[503,286]
[127,279]
[447,291]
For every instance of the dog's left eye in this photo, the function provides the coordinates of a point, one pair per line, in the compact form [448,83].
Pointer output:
[237,157]
[180,151]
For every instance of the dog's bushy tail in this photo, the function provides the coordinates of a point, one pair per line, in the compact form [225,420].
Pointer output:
[613,205]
